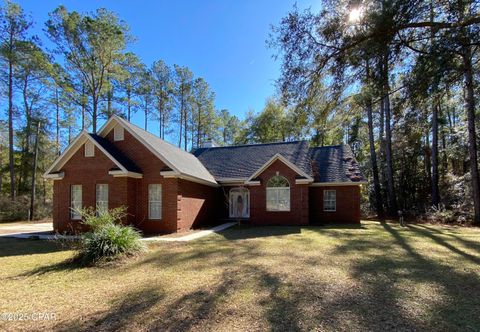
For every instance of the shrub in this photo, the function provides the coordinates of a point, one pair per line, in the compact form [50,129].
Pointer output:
[96,221]
[107,239]
[110,242]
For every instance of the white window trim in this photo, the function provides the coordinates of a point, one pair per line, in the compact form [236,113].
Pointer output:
[277,190]
[325,200]
[151,201]
[97,186]
[73,213]
[118,133]
[89,149]
[247,201]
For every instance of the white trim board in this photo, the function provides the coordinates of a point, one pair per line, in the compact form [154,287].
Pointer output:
[73,148]
[284,160]
[173,174]
[114,119]
[337,184]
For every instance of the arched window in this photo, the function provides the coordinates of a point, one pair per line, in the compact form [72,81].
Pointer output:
[278,194]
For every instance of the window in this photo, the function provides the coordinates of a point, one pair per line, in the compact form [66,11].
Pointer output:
[102,198]
[278,194]
[75,201]
[118,133]
[330,200]
[89,149]
[155,201]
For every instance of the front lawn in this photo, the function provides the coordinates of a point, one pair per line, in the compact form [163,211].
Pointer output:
[374,277]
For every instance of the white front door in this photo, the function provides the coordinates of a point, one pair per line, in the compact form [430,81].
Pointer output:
[239,205]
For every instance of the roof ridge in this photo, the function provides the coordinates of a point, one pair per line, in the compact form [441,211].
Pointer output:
[327,146]
[151,134]
[254,144]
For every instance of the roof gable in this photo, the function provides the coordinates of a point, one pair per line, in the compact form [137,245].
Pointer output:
[125,166]
[284,160]
[241,161]
[180,162]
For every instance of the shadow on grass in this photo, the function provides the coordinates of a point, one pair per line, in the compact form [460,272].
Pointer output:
[66,265]
[467,243]
[452,303]
[286,293]
[122,314]
[244,232]
[20,247]
[440,241]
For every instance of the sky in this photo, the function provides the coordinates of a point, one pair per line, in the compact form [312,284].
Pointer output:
[222,41]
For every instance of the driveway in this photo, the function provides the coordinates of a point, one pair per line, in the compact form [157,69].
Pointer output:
[25,229]
[44,231]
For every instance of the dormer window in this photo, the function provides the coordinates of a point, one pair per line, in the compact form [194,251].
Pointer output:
[89,149]
[118,133]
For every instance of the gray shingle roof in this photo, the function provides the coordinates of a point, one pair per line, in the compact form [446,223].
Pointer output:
[184,162]
[335,164]
[241,161]
[115,153]
[325,164]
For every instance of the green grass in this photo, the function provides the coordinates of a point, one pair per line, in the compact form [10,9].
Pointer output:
[374,277]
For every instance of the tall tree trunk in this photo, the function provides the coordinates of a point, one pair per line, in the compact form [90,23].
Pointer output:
[373,153]
[381,138]
[10,127]
[94,114]
[34,174]
[199,124]
[129,104]
[373,161]
[435,189]
[146,114]
[180,128]
[57,123]
[23,174]
[109,102]
[472,136]
[435,175]
[185,131]
[83,107]
[388,136]
[164,118]
[160,115]
[428,159]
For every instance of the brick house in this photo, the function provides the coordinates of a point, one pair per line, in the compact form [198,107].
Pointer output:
[166,189]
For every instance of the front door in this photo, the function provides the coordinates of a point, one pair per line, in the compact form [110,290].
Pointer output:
[239,203]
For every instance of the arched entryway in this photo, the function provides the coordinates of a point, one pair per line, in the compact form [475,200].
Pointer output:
[239,203]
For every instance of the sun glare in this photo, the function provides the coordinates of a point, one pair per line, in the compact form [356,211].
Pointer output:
[355,15]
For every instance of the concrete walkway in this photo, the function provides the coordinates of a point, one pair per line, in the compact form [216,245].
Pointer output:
[11,229]
[192,236]
[44,231]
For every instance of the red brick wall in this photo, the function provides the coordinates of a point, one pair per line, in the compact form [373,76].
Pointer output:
[88,172]
[151,167]
[298,214]
[348,205]
[197,205]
